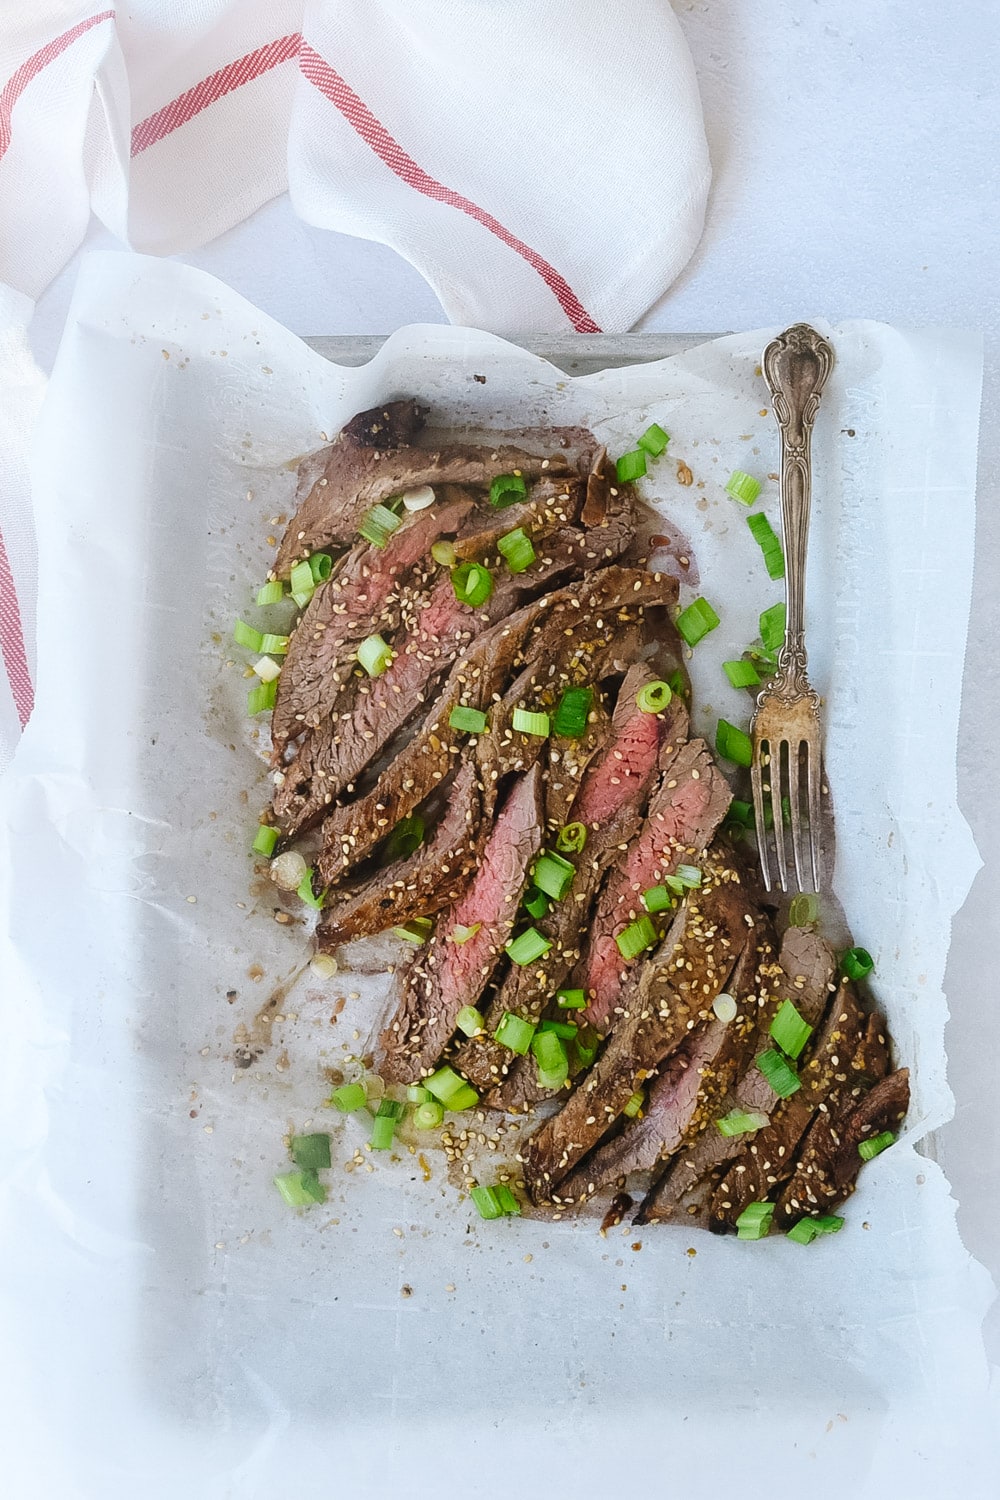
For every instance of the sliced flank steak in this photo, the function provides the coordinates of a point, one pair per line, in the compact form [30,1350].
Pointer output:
[665,999]
[453,969]
[804,976]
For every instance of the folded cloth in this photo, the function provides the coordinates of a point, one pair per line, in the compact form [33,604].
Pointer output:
[541,162]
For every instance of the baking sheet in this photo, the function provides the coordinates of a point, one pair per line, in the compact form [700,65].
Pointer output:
[192,1332]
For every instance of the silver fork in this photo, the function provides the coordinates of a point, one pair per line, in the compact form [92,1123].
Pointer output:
[786,725]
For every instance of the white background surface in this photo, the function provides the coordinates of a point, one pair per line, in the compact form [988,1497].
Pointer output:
[857,159]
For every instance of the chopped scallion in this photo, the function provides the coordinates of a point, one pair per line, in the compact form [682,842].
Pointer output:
[417,1094]
[586,1043]
[636,937]
[506,1199]
[320,566]
[374,654]
[564,1029]
[271,593]
[769,544]
[300,1189]
[807,1230]
[379,525]
[740,813]
[415,932]
[755,1221]
[550,1054]
[467,720]
[349,1097]
[741,674]
[741,1122]
[857,963]
[571,716]
[553,875]
[261,699]
[451,1089]
[631,466]
[245,635]
[507,489]
[444,553]
[515,1033]
[486,1202]
[733,744]
[306,893]
[534,724]
[472,583]
[465,1098]
[274,645]
[790,1030]
[469,1020]
[571,1000]
[383,1131]
[688,875]
[772,627]
[267,668]
[404,840]
[461,934]
[803,910]
[311,1151]
[265,840]
[571,838]
[743,487]
[654,697]
[528,946]
[536,904]
[654,439]
[516,550]
[677,683]
[634,1105]
[875,1145]
[301,582]
[695,622]
[725,1008]
[657,898]
[783,1079]
[428,1116]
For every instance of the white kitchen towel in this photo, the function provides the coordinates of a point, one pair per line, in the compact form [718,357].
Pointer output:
[541,162]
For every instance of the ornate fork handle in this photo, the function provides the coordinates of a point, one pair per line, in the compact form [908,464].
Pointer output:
[796,365]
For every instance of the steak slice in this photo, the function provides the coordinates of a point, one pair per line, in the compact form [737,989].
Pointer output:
[685,812]
[348,478]
[552,504]
[845,1053]
[431,878]
[828,1164]
[354,603]
[448,974]
[665,999]
[804,975]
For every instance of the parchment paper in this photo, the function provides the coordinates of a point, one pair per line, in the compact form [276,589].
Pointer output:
[170,1327]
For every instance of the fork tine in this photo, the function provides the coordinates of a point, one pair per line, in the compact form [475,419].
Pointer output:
[813,772]
[779,829]
[757,788]
[795,799]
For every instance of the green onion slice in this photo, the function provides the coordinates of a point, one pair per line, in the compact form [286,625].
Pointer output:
[349,1097]
[469,1020]
[743,487]
[320,566]
[677,683]
[462,935]
[688,875]
[486,1202]
[572,838]
[379,525]
[507,489]
[506,1199]
[261,699]
[516,550]
[636,937]
[634,1105]
[571,716]
[807,1230]
[536,904]
[515,1033]
[465,1098]
[654,697]
[657,898]
[271,593]
[416,932]
[444,553]
[857,963]
[741,674]
[265,840]
[417,1094]
[300,1189]
[553,875]
[790,1030]
[306,893]
[631,466]
[740,813]
[528,946]
[300,580]
[550,1054]
[772,627]
[245,635]
[311,1150]
[472,583]
[428,1116]
[741,1122]
[654,440]
[696,621]
[733,744]
[274,645]
[571,1000]
[383,1131]
[769,543]
[587,1042]
[564,1029]
[803,910]
[755,1221]
[530,723]
[783,1079]
[374,654]
[467,720]
[405,839]
[451,1089]
[875,1145]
